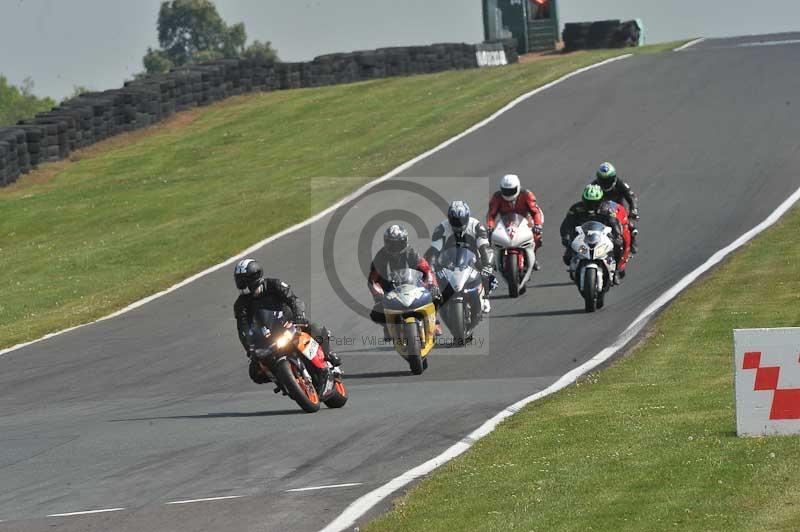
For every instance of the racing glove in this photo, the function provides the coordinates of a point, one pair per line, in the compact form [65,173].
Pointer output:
[436,293]
[537,229]
[634,214]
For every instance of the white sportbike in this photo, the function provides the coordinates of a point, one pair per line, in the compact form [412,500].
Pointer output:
[514,255]
[593,266]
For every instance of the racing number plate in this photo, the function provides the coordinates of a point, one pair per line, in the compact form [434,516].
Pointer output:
[310,351]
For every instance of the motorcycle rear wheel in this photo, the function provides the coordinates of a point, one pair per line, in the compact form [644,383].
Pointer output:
[303,393]
[413,348]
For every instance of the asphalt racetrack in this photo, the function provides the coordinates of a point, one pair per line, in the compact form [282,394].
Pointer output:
[155,406]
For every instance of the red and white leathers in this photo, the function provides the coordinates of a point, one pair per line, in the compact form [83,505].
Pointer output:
[524,204]
[622,216]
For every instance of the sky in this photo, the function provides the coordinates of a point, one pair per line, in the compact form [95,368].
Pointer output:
[98,44]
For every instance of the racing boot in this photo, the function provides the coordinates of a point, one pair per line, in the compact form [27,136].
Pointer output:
[438,330]
[486,307]
[330,354]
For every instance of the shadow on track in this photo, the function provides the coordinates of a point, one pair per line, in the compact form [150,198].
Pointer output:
[376,375]
[212,415]
[553,285]
[541,313]
[532,287]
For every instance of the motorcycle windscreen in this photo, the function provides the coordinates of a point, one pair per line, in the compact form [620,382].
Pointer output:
[267,324]
[593,227]
[405,276]
[458,265]
[457,258]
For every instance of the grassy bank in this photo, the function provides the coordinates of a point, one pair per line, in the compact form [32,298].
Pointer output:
[137,213]
[647,444]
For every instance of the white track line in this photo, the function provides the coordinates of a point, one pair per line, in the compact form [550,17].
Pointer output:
[330,209]
[362,505]
[768,43]
[87,512]
[314,488]
[207,499]
[689,44]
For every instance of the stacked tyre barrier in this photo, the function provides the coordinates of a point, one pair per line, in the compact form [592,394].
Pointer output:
[601,34]
[95,116]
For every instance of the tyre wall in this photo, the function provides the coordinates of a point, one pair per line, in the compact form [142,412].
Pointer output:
[601,34]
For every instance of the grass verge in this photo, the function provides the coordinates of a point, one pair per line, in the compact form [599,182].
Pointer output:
[648,443]
[133,215]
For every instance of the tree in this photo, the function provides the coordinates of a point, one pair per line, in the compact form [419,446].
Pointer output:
[77,90]
[192,31]
[187,27]
[259,50]
[156,62]
[19,103]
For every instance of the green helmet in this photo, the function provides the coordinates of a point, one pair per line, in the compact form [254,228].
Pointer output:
[592,193]
[592,197]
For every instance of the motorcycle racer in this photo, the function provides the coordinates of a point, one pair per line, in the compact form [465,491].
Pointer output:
[397,254]
[618,191]
[460,229]
[258,292]
[511,198]
[592,207]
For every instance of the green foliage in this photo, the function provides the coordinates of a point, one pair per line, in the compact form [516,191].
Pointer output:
[192,31]
[156,62]
[261,50]
[19,103]
[77,90]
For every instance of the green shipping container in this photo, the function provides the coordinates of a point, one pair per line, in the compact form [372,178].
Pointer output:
[533,24]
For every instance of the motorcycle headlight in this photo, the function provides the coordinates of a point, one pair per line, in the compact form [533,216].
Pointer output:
[284,340]
[583,250]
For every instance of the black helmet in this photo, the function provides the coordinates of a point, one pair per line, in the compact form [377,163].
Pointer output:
[395,239]
[458,215]
[248,274]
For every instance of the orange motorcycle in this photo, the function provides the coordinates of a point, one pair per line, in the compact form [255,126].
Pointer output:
[295,362]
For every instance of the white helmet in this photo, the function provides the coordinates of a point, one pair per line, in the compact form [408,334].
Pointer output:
[509,187]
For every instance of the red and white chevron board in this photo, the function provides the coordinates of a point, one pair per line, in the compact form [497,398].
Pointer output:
[767,381]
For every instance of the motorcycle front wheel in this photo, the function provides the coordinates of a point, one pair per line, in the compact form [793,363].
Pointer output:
[590,289]
[456,324]
[512,276]
[302,391]
[338,396]
[413,348]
